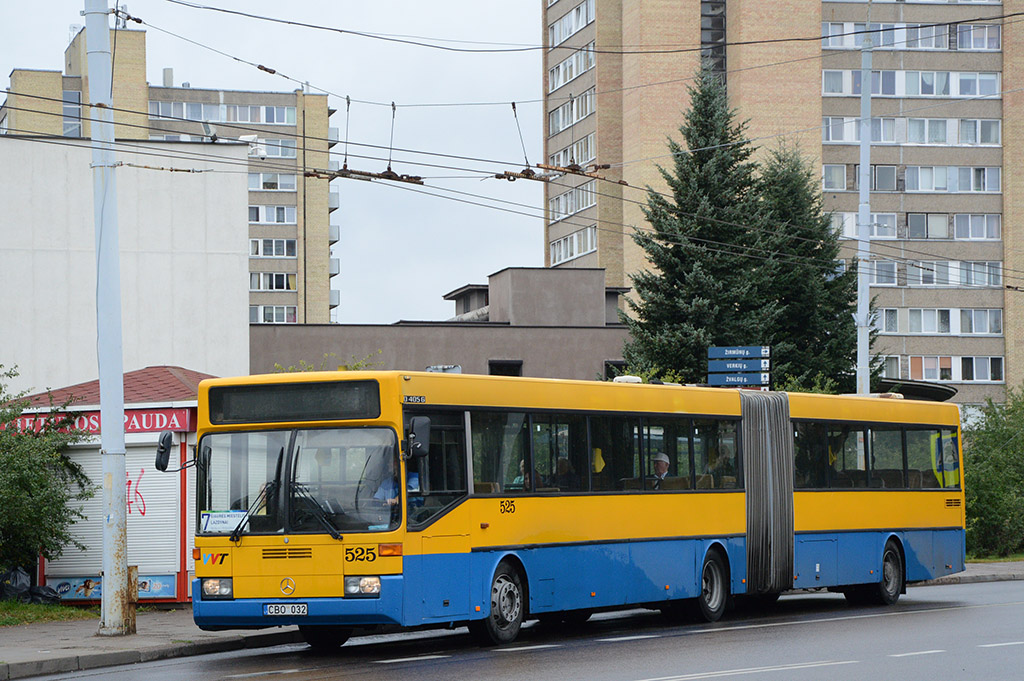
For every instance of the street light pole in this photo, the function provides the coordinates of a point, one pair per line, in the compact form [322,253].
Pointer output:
[863,316]
[116,617]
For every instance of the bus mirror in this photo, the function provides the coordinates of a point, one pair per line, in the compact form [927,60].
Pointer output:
[419,436]
[163,450]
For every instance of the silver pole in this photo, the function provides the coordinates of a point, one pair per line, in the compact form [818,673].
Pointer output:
[115,617]
[863,316]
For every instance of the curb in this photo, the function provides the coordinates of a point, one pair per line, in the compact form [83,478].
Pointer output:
[973,579]
[74,663]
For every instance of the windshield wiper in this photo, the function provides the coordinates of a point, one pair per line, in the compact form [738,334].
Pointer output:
[318,510]
[269,488]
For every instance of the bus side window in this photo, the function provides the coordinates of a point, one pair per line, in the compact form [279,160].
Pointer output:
[559,452]
[810,442]
[614,454]
[950,459]
[500,457]
[441,475]
[887,457]
[715,454]
[847,457]
[922,459]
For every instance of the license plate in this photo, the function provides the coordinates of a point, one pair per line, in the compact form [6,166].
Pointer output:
[285,609]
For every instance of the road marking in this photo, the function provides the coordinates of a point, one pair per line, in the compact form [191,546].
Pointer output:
[411,659]
[751,670]
[1000,645]
[629,638]
[919,652]
[520,648]
[254,674]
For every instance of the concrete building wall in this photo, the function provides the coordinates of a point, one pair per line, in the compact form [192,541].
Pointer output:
[545,297]
[548,352]
[34,115]
[1013,210]
[183,264]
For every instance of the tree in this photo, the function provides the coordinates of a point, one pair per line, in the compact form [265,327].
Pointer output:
[994,477]
[703,289]
[814,336]
[41,489]
[353,364]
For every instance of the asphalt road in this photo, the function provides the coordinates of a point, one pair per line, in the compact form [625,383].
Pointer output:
[969,631]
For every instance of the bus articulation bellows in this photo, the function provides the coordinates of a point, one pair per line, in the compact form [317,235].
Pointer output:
[345,501]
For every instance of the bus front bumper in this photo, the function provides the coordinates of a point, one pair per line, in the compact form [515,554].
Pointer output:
[249,613]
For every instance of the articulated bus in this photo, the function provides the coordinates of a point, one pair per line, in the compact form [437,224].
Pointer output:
[343,502]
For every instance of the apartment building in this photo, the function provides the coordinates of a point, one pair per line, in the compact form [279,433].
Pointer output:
[288,133]
[946,248]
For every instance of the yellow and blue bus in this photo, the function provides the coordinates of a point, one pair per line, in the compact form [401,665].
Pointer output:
[347,501]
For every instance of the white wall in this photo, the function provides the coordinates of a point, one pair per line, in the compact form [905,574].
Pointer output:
[184,261]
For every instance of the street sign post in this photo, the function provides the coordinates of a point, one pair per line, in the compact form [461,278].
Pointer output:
[741,365]
[721,366]
[739,352]
[739,379]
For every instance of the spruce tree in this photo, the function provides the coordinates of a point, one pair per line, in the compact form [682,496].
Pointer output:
[814,337]
[706,285]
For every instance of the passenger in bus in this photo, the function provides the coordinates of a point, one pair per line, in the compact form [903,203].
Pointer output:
[388,489]
[566,478]
[660,463]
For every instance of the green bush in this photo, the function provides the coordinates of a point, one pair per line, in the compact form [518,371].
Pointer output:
[994,477]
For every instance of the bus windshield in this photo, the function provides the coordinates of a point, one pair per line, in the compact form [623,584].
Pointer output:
[329,480]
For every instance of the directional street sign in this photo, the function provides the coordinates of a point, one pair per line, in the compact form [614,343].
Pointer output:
[732,365]
[739,352]
[738,379]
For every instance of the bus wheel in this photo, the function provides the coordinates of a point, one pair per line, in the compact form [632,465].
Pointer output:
[505,618]
[324,638]
[887,591]
[714,589]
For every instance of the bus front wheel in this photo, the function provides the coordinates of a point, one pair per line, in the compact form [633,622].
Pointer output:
[506,614]
[324,638]
[714,587]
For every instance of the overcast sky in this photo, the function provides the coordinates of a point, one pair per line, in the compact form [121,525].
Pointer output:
[400,251]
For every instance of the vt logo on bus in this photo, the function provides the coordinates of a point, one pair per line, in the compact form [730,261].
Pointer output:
[214,558]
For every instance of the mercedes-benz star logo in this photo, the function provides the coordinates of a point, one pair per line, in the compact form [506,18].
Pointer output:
[287,586]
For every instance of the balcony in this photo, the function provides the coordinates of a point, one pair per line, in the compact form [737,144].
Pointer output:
[333,234]
[334,267]
[332,137]
[335,298]
[333,202]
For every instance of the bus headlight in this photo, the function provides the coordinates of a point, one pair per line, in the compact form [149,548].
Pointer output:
[362,586]
[218,587]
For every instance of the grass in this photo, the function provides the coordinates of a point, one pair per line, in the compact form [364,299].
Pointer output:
[995,559]
[13,613]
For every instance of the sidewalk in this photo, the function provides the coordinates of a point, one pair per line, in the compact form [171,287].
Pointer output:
[55,647]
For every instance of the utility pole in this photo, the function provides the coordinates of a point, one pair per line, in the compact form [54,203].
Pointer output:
[116,617]
[863,316]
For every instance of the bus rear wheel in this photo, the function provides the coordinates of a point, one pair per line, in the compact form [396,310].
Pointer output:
[888,590]
[714,588]
[323,637]
[506,614]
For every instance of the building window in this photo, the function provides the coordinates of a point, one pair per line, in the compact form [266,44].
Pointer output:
[977,227]
[574,245]
[891,366]
[883,178]
[712,35]
[72,108]
[279,115]
[572,201]
[571,23]
[272,248]
[978,37]
[271,281]
[272,314]
[505,367]
[579,153]
[832,82]
[572,112]
[928,273]
[981,369]
[613,368]
[886,320]
[952,179]
[927,37]
[272,182]
[981,322]
[926,130]
[975,131]
[933,368]
[929,321]
[883,273]
[282,215]
[981,273]
[564,72]
[835,177]
[882,82]
[927,226]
